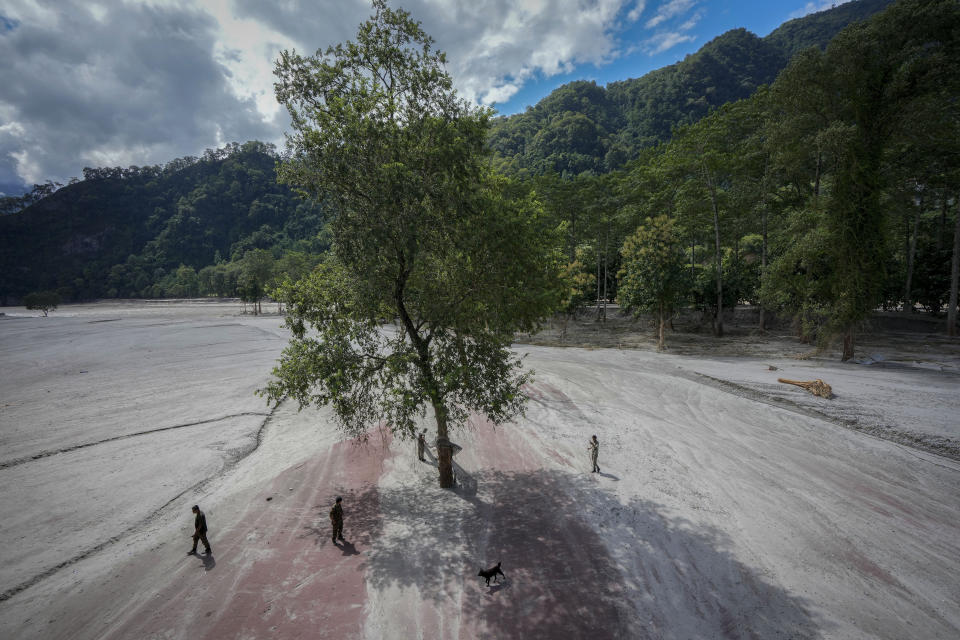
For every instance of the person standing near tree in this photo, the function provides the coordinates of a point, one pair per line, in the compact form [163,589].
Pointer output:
[199,531]
[336,520]
[421,445]
[594,450]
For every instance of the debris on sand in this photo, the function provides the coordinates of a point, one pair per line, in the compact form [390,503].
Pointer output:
[817,387]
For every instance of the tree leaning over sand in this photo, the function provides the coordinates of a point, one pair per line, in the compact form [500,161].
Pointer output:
[434,266]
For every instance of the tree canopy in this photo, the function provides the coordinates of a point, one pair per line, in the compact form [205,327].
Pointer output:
[425,238]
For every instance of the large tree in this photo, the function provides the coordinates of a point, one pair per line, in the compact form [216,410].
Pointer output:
[653,274]
[45,301]
[857,95]
[707,160]
[425,241]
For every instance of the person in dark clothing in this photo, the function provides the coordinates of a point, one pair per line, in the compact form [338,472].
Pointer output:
[199,531]
[421,445]
[336,520]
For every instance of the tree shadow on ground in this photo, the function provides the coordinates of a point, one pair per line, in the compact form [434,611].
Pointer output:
[579,563]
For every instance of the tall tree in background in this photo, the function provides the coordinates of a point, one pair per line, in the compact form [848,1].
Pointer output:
[45,301]
[707,157]
[653,272]
[864,85]
[256,273]
[423,236]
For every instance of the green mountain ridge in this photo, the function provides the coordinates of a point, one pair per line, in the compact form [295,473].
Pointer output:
[127,232]
[120,231]
[583,127]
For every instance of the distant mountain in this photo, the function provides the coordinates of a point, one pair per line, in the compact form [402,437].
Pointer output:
[119,231]
[12,189]
[581,126]
[818,29]
[126,232]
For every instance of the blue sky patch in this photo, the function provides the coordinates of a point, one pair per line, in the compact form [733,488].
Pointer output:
[8,24]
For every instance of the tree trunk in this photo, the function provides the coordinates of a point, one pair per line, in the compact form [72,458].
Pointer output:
[606,275]
[941,228]
[763,261]
[718,326]
[422,347]
[762,320]
[954,277]
[572,236]
[598,278]
[816,182]
[911,256]
[444,450]
[847,345]
[661,342]
[693,259]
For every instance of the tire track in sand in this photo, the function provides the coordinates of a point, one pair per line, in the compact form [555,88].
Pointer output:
[46,454]
[230,463]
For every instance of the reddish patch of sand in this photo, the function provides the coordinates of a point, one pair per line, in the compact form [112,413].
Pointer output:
[560,579]
[276,573]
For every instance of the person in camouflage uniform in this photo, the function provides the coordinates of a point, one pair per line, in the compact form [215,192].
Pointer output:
[421,445]
[336,520]
[594,449]
[199,531]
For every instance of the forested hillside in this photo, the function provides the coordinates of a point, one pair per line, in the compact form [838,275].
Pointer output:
[582,127]
[828,195]
[151,231]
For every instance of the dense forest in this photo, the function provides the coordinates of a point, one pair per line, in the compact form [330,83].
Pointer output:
[827,195]
[196,226]
[812,173]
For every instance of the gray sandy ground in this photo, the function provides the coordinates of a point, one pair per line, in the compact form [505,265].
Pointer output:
[723,510]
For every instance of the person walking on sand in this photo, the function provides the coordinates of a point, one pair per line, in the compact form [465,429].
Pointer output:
[594,450]
[199,532]
[336,520]
[421,444]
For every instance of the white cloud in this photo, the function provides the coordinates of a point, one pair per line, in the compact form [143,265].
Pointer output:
[500,94]
[144,81]
[247,49]
[669,10]
[691,22]
[138,84]
[637,10]
[814,7]
[667,40]
[27,166]
[492,46]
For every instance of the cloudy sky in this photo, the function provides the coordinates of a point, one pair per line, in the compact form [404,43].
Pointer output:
[137,82]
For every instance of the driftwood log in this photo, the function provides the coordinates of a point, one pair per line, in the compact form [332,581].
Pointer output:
[817,387]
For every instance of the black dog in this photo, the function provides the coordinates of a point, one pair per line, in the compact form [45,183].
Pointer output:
[491,573]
